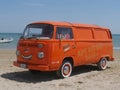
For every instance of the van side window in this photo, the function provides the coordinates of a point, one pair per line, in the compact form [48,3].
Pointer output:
[100,34]
[64,33]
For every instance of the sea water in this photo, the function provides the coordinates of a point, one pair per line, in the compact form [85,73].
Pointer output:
[11,45]
[16,36]
[116,41]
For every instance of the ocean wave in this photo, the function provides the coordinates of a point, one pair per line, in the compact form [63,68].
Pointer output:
[116,48]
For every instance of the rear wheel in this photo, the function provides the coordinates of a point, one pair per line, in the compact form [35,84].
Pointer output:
[65,70]
[102,64]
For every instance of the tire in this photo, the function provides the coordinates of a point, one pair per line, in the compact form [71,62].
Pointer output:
[65,70]
[102,64]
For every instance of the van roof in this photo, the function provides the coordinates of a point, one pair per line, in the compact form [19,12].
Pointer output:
[68,24]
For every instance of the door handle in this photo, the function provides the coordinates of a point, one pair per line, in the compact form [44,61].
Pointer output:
[73,46]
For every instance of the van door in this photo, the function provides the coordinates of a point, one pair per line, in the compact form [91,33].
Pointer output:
[66,42]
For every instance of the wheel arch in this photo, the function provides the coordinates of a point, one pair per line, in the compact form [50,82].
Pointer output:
[106,56]
[70,59]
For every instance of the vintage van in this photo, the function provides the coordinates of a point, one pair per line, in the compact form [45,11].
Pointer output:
[61,46]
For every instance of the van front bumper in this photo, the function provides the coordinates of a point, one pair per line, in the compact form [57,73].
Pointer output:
[31,66]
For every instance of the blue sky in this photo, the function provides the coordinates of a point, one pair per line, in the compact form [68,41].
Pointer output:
[15,14]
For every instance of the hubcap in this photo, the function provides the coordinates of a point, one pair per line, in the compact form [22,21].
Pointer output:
[103,63]
[66,69]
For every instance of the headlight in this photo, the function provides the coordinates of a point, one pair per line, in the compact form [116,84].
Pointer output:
[17,52]
[41,55]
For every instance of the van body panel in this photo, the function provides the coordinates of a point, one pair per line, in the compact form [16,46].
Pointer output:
[81,43]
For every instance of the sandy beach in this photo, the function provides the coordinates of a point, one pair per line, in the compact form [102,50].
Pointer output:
[83,77]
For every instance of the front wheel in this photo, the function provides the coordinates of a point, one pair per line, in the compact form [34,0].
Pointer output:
[102,64]
[65,70]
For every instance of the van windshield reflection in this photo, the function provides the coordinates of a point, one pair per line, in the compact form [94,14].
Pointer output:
[38,31]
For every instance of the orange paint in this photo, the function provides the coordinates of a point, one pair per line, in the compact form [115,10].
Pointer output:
[45,45]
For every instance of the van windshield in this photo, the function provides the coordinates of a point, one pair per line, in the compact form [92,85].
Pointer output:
[38,31]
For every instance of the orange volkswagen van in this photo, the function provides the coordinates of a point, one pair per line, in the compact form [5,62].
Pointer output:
[61,46]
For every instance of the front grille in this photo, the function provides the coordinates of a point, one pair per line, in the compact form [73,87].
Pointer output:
[28,45]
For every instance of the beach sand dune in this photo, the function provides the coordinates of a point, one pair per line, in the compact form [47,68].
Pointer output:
[83,78]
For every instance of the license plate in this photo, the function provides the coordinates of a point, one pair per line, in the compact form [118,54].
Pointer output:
[23,65]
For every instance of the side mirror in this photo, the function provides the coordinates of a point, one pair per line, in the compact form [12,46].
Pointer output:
[21,37]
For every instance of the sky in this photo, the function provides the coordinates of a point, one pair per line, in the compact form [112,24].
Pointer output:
[16,14]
